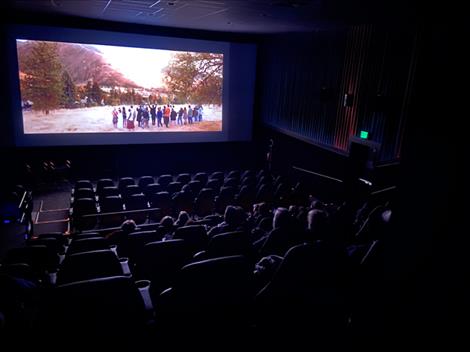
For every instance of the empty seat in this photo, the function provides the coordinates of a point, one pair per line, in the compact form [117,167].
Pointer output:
[124,182]
[248,181]
[248,173]
[82,207]
[204,203]
[165,180]
[231,182]
[183,201]
[59,236]
[37,257]
[218,175]
[101,312]
[234,174]
[88,234]
[111,204]
[83,184]
[89,265]
[109,192]
[229,243]
[162,200]
[201,177]
[246,197]
[183,178]
[212,293]
[309,284]
[87,244]
[214,184]
[195,237]
[83,193]
[137,202]
[145,180]
[161,261]
[151,189]
[174,187]
[130,190]
[226,197]
[102,183]
[264,194]
[136,242]
[195,186]
[52,243]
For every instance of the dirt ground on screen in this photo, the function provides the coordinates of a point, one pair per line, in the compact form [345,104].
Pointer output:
[99,119]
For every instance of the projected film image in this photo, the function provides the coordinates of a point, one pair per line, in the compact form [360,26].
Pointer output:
[87,88]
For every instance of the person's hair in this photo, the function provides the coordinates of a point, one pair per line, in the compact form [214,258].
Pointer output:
[317,221]
[166,221]
[128,226]
[234,215]
[261,209]
[183,218]
[281,218]
[317,204]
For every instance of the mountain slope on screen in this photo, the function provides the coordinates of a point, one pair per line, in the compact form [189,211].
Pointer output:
[83,63]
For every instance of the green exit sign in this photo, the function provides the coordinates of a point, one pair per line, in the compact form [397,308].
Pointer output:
[364,134]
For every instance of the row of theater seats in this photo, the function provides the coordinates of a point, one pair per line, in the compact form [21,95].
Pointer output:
[201,196]
[128,284]
[219,289]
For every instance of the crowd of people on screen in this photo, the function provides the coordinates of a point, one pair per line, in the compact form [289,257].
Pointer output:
[165,115]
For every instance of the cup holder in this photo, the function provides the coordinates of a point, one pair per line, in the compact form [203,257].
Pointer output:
[141,284]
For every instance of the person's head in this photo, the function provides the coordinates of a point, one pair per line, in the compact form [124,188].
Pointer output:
[167,222]
[261,209]
[293,210]
[183,218]
[234,216]
[281,218]
[317,204]
[128,226]
[317,221]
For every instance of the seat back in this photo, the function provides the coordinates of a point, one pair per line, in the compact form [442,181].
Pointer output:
[107,310]
[87,244]
[195,236]
[89,265]
[145,180]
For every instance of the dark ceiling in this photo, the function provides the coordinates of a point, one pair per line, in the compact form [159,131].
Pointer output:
[242,16]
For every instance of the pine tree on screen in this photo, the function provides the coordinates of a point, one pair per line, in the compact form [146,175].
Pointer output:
[43,83]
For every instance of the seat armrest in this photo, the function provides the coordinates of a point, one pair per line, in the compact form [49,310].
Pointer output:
[200,255]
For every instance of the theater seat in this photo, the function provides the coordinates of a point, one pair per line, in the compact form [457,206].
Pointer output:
[145,180]
[183,178]
[214,293]
[195,236]
[104,312]
[165,180]
[90,265]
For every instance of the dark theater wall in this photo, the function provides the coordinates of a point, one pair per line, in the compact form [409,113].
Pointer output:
[304,79]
